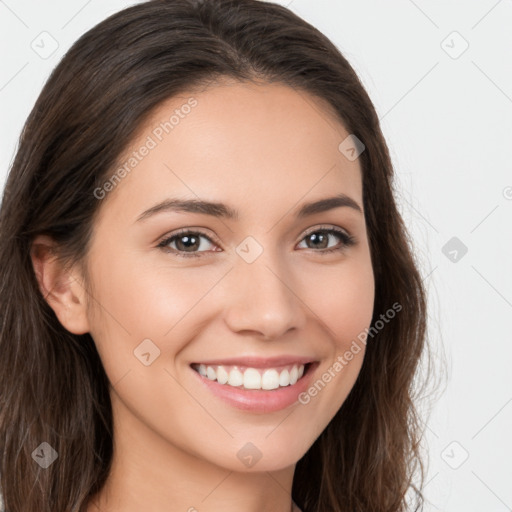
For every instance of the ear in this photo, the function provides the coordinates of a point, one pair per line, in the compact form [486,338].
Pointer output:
[61,287]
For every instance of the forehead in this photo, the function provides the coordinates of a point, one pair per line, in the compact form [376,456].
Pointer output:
[255,146]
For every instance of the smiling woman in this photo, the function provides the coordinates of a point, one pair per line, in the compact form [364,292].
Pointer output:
[233,322]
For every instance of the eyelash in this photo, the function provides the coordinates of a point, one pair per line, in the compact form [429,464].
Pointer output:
[347,241]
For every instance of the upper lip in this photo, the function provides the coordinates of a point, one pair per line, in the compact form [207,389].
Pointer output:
[258,362]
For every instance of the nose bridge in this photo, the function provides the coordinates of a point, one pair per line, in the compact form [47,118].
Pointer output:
[261,296]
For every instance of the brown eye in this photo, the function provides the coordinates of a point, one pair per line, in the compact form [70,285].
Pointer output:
[319,239]
[186,243]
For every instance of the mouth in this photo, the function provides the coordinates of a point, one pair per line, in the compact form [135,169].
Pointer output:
[252,378]
[263,387]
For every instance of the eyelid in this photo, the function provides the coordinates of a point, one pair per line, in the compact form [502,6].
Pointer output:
[324,227]
[181,231]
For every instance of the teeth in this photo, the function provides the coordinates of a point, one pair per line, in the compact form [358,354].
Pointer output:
[294,374]
[270,379]
[222,375]
[252,378]
[236,378]
[284,378]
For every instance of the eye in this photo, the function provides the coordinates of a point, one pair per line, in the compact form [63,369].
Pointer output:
[320,237]
[186,243]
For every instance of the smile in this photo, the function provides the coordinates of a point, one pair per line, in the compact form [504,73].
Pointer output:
[252,378]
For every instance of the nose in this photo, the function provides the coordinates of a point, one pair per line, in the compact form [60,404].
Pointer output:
[262,300]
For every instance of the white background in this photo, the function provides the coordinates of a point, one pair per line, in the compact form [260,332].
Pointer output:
[447,117]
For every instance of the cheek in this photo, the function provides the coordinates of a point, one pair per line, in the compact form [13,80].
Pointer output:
[343,301]
[349,307]
[342,297]
[147,298]
[133,302]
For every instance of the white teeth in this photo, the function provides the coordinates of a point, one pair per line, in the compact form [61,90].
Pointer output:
[236,378]
[252,378]
[222,375]
[270,380]
[294,374]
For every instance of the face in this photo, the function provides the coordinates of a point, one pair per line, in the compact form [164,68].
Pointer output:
[264,291]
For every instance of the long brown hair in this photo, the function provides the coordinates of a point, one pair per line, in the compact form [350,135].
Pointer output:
[53,387]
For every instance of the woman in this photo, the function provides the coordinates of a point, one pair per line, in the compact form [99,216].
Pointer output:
[209,299]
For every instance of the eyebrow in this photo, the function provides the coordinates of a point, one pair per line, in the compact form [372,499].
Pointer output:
[222,210]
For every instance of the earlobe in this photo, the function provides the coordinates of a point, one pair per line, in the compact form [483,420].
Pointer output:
[61,287]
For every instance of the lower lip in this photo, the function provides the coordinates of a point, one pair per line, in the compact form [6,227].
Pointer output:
[259,400]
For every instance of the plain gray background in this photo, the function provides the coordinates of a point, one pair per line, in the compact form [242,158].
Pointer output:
[440,76]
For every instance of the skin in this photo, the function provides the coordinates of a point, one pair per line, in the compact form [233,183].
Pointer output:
[263,149]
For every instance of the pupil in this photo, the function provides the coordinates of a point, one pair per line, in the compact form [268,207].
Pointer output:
[190,241]
[319,237]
